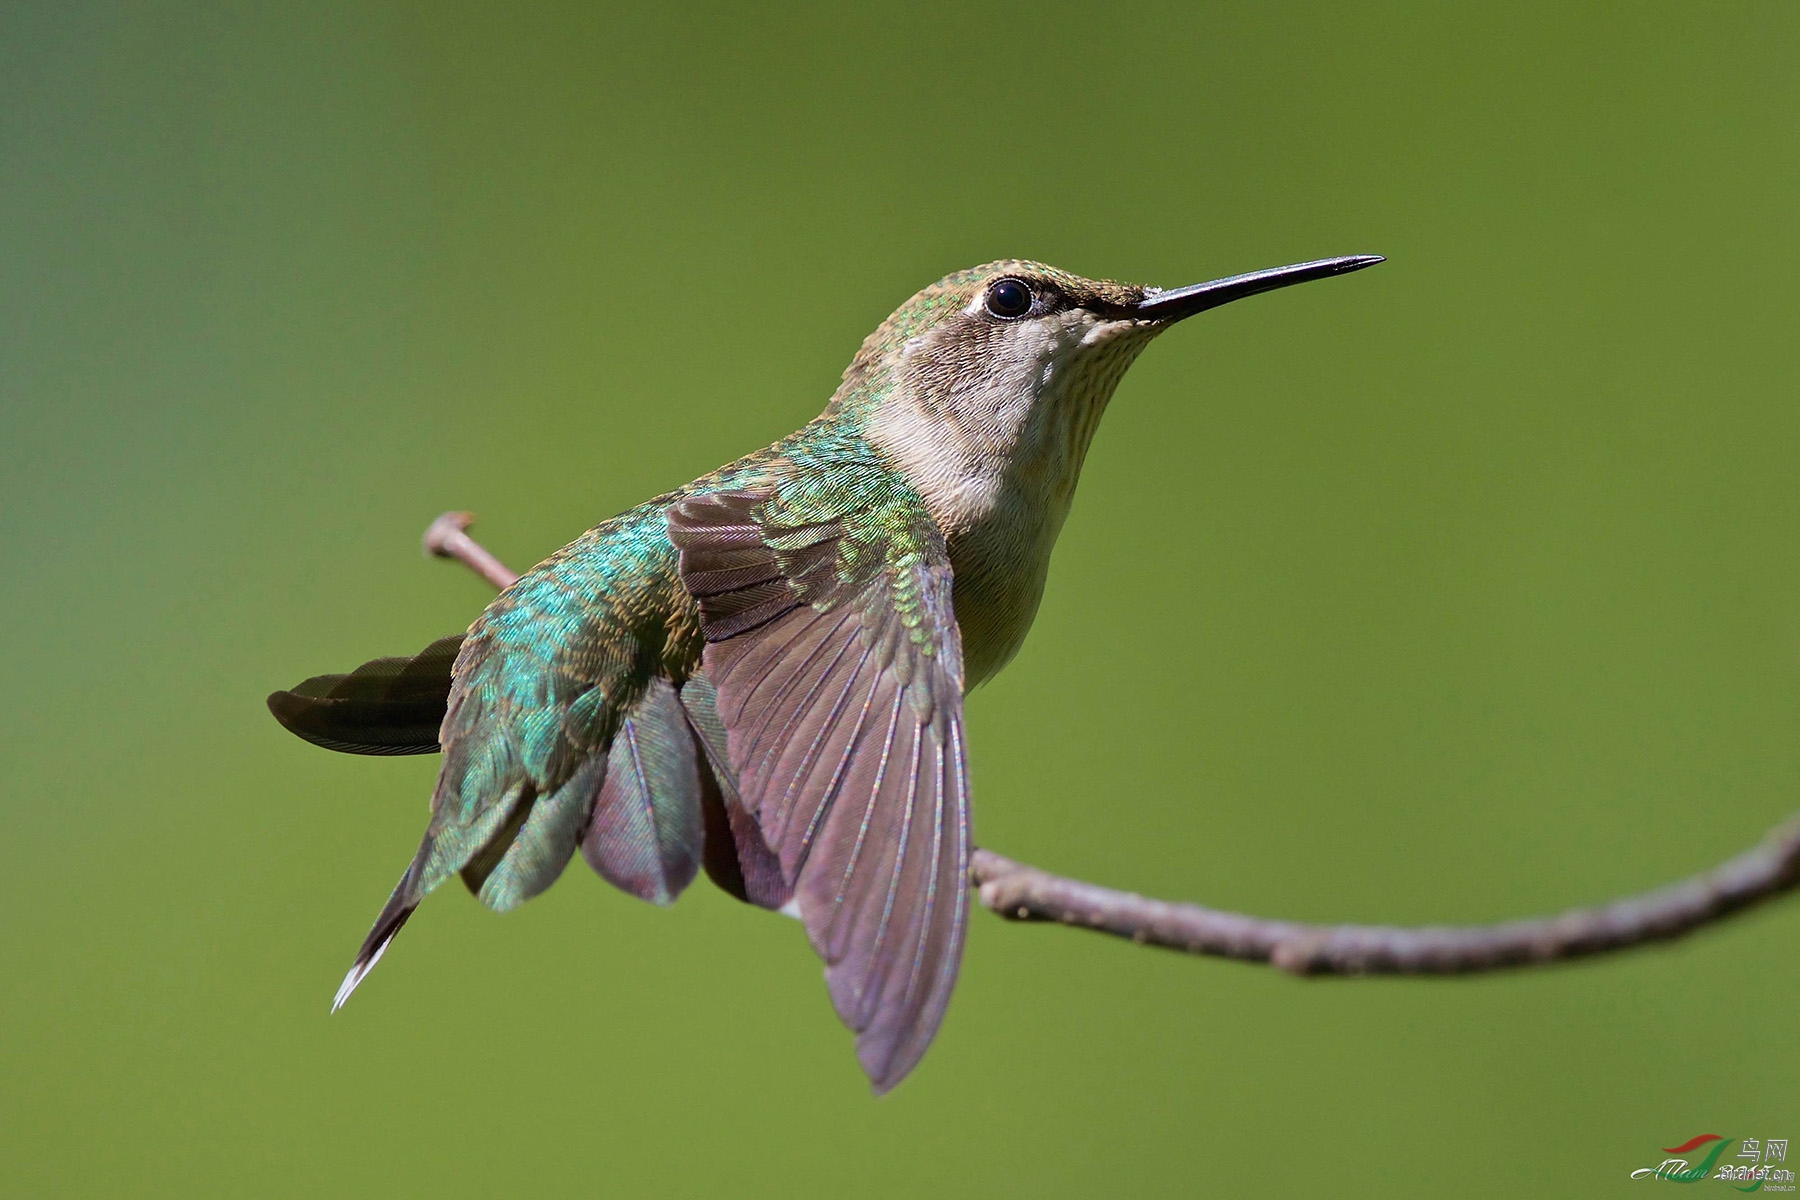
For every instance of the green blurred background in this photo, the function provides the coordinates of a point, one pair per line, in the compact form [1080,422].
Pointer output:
[1463,589]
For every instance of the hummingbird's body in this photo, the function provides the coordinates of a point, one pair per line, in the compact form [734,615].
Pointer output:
[762,672]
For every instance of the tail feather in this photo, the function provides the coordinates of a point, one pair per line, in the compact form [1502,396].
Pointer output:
[388,706]
[393,916]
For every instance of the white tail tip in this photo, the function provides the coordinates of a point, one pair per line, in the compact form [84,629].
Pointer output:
[358,973]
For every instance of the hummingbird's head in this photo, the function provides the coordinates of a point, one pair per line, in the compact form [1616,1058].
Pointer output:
[990,382]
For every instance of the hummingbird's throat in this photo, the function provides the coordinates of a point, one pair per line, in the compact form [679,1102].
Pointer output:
[1008,427]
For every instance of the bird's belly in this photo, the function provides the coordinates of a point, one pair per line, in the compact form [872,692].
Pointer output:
[999,568]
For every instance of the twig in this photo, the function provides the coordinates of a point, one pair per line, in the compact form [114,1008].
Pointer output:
[1025,893]
[446,538]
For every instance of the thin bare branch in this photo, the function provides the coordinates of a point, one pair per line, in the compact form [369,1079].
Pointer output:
[1025,893]
[446,537]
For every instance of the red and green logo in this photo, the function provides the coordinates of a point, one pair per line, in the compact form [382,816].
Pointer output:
[1679,1170]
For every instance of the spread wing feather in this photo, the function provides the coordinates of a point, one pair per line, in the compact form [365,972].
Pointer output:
[736,856]
[563,731]
[645,834]
[818,758]
[835,657]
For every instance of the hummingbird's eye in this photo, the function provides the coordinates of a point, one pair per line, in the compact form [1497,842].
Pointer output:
[1009,298]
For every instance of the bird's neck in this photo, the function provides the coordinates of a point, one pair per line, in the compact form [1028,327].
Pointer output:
[996,456]
[975,439]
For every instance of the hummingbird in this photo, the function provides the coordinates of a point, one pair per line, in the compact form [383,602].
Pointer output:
[761,674]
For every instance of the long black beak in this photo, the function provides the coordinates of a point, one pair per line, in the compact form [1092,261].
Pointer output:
[1177,303]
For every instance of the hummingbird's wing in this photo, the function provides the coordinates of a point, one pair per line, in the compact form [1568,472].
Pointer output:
[395,706]
[837,664]
[388,706]
[564,730]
